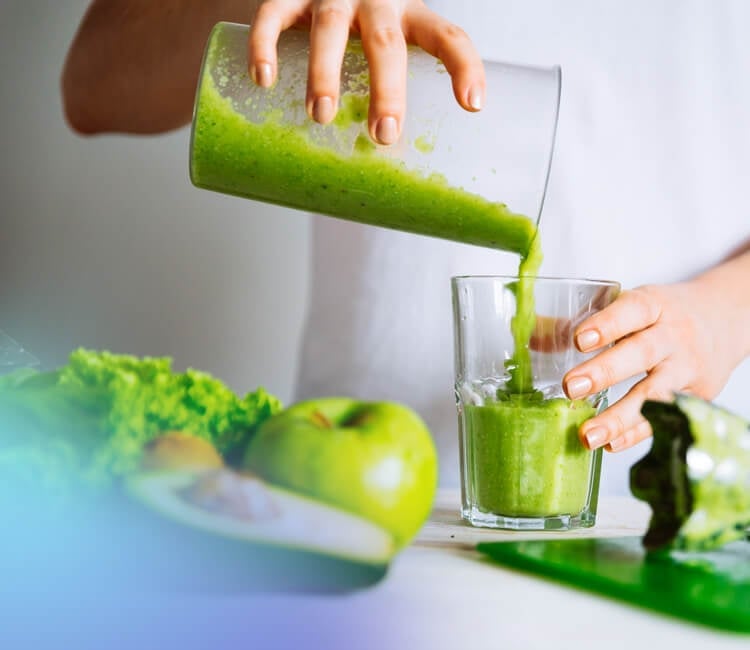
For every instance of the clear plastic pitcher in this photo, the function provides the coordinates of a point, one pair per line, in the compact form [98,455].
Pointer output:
[478,178]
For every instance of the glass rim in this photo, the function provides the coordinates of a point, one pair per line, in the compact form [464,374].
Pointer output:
[536,278]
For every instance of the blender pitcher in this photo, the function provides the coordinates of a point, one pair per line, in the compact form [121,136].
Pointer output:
[478,178]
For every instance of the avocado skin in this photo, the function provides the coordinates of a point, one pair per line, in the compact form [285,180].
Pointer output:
[696,505]
[119,547]
[660,477]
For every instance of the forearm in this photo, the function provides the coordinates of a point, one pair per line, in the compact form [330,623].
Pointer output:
[729,282]
[133,65]
[741,249]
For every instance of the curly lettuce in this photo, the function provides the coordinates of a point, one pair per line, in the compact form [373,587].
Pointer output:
[87,422]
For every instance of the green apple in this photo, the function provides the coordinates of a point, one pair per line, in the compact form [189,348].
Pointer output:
[374,459]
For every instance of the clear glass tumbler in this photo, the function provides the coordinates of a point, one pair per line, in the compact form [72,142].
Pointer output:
[478,178]
[522,463]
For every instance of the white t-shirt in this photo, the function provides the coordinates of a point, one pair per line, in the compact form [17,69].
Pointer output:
[648,185]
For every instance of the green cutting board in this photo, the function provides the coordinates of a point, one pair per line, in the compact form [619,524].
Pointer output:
[711,588]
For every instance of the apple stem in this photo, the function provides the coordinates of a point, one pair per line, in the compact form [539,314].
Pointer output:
[320,419]
[357,418]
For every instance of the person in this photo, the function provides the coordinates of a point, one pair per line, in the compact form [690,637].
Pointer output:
[647,186]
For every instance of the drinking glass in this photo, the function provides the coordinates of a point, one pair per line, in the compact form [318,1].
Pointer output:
[522,463]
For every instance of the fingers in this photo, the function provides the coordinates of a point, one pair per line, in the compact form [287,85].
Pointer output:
[454,48]
[631,356]
[603,297]
[385,48]
[553,334]
[631,312]
[631,437]
[384,31]
[622,425]
[330,31]
[271,18]
[550,334]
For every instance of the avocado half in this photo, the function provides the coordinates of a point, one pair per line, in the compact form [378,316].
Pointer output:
[696,477]
[286,542]
[154,537]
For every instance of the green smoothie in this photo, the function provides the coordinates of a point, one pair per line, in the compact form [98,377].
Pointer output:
[522,324]
[525,455]
[278,162]
[524,458]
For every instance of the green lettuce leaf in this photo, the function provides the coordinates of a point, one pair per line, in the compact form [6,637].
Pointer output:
[87,422]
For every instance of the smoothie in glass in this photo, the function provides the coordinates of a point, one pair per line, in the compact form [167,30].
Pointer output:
[523,465]
[525,458]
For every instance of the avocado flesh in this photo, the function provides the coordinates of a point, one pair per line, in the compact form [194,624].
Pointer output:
[696,477]
[295,545]
[288,520]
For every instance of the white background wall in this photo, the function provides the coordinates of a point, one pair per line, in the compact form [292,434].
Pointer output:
[105,243]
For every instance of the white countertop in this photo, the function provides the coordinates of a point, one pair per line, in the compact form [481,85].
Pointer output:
[440,594]
[616,517]
[437,594]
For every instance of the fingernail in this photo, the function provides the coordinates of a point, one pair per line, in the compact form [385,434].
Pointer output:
[262,74]
[386,130]
[587,339]
[578,387]
[323,110]
[475,98]
[617,444]
[596,437]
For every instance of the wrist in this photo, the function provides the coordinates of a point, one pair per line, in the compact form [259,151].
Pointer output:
[727,288]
